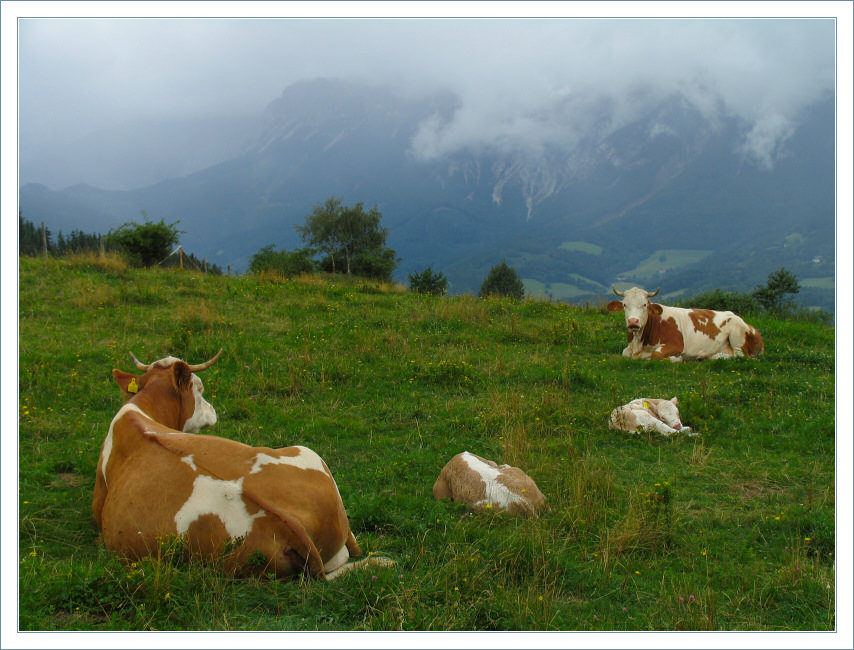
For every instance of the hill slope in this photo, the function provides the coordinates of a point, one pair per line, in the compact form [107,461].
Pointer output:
[731,530]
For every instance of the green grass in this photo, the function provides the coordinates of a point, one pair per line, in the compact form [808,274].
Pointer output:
[819,283]
[733,530]
[665,260]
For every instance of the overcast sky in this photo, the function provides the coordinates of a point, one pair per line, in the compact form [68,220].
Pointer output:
[522,81]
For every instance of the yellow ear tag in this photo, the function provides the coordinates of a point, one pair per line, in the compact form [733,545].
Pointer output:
[646,405]
[132,386]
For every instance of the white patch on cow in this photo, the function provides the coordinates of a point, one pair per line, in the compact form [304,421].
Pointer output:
[204,414]
[495,493]
[339,560]
[223,499]
[305,459]
[190,462]
[108,441]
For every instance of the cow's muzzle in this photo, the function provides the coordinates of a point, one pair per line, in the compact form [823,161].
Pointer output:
[633,325]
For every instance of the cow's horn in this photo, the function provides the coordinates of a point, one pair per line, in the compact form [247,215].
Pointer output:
[622,295]
[206,364]
[139,364]
[654,293]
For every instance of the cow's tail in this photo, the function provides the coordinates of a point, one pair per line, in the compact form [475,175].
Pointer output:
[360,564]
[753,344]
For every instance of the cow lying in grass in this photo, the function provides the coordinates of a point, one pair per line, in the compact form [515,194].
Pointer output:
[646,413]
[484,485]
[256,509]
[675,333]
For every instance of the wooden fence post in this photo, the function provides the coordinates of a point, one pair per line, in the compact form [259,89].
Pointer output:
[180,257]
[44,241]
[204,265]
[229,270]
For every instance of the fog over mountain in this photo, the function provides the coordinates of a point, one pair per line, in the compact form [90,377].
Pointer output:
[583,151]
[522,85]
[651,201]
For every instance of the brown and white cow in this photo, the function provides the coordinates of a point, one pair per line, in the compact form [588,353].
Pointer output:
[650,414]
[485,485]
[675,333]
[273,510]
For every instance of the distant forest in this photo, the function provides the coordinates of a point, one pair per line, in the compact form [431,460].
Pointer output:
[31,242]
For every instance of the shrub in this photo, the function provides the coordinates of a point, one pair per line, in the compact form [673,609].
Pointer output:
[145,244]
[428,282]
[286,263]
[377,264]
[720,300]
[502,280]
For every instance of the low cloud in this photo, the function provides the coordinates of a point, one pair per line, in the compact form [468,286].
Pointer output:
[766,139]
[764,73]
[522,84]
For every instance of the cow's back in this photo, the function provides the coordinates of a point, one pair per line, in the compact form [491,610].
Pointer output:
[483,484]
[278,508]
[706,332]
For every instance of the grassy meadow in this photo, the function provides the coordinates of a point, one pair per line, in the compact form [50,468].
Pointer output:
[730,530]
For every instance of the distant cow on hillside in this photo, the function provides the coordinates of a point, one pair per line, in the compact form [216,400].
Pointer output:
[485,485]
[273,510]
[674,333]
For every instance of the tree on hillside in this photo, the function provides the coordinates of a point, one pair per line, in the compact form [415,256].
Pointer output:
[502,280]
[77,242]
[774,296]
[377,263]
[286,263]
[427,281]
[352,239]
[30,237]
[146,244]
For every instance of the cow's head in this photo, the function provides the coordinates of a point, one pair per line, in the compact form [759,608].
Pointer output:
[669,414]
[170,393]
[635,303]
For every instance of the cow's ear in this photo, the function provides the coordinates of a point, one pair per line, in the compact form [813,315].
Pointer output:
[655,308]
[130,384]
[615,305]
[675,401]
[182,376]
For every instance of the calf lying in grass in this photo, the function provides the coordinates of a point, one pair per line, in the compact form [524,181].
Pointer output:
[484,485]
[647,413]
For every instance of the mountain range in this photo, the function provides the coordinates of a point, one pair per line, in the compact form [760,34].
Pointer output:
[672,199]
